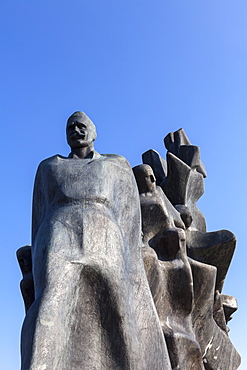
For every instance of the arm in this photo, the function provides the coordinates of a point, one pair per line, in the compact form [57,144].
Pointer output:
[38,203]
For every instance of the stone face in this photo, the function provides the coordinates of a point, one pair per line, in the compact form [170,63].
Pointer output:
[25,261]
[117,279]
[157,163]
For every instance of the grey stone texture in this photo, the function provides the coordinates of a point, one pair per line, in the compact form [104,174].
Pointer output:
[93,307]
[186,282]
[24,257]
[121,279]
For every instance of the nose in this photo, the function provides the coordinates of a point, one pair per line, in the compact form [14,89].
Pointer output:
[77,129]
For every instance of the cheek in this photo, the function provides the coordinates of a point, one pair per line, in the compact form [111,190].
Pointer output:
[89,136]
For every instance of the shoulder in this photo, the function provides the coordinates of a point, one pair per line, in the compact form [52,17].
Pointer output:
[49,160]
[118,159]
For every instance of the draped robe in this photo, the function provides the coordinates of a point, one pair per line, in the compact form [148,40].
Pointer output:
[93,308]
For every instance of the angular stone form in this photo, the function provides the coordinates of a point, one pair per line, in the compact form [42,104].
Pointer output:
[218,353]
[208,254]
[181,176]
[184,186]
[230,305]
[215,248]
[178,143]
[218,312]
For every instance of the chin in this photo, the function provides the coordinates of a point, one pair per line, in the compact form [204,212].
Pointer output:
[81,144]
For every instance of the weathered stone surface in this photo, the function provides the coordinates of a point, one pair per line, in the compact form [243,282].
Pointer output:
[25,261]
[230,305]
[171,285]
[93,307]
[157,163]
[91,302]
[216,347]
[218,312]
[210,253]
[215,248]
[178,143]
[158,210]
[184,186]
[168,271]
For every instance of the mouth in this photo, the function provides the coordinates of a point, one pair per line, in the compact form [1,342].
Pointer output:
[77,136]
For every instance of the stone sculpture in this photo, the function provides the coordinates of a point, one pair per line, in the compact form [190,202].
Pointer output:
[91,302]
[208,254]
[25,261]
[183,289]
[92,307]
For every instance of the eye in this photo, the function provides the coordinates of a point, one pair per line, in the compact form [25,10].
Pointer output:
[71,125]
[81,125]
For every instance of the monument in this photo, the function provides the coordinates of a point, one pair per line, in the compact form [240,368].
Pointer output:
[117,278]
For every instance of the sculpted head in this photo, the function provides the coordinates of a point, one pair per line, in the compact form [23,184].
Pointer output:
[173,241]
[80,130]
[25,259]
[145,178]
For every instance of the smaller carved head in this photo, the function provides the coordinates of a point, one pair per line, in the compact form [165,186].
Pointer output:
[173,242]
[185,214]
[145,178]
[80,130]
[24,256]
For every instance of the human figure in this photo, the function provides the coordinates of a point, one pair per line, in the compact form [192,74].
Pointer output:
[25,261]
[157,211]
[183,289]
[168,271]
[93,307]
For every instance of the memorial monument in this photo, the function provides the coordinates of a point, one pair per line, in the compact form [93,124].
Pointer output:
[117,278]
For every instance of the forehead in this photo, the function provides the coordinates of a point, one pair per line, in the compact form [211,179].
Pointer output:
[147,171]
[78,118]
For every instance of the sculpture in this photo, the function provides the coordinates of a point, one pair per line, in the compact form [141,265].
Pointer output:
[183,289]
[91,302]
[172,287]
[209,253]
[93,307]
[25,261]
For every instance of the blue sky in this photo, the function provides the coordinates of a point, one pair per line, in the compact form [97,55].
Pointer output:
[140,69]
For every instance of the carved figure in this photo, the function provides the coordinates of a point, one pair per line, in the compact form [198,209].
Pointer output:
[168,271]
[25,261]
[93,307]
[182,181]
[91,302]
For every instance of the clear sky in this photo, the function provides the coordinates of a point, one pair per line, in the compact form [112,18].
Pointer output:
[140,69]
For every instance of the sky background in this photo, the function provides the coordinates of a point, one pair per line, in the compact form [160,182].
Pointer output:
[140,69]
